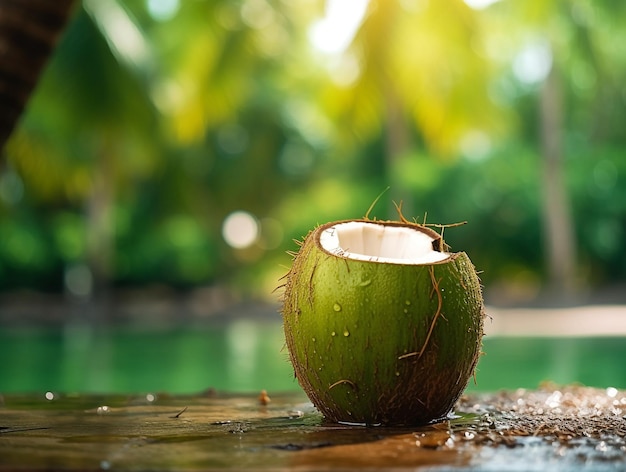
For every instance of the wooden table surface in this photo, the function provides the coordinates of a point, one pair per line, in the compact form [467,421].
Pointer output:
[552,428]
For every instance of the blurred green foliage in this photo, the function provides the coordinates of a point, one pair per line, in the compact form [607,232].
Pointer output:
[156,120]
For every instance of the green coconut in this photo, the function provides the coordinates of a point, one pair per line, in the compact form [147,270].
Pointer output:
[383,326]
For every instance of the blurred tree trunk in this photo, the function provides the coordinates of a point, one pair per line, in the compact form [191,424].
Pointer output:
[99,222]
[397,145]
[28,33]
[559,239]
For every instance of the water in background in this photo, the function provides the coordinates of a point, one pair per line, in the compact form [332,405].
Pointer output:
[249,355]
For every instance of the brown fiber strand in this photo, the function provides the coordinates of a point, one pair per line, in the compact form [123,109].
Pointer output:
[311,283]
[447,225]
[343,381]
[281,286]
[435,283]
[400,215]
[369,210]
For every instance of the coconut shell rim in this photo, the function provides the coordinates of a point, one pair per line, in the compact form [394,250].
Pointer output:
[437,239]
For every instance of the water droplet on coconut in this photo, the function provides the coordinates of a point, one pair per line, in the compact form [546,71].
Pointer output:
[333,334]
[406,311]
[365,283]
[314,339]
[346,333]
[337,307]
[407,302]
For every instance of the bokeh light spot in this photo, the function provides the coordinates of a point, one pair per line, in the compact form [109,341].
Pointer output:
[11,188]
[333,33]
[79,280]
[272,233]
[296,159]
[533,63]
[479,4]
[240,229]
[257,14]
[232,139]
[475,145]
[605,175]
[162,10]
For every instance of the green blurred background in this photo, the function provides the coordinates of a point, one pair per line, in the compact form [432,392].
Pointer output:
[186,143]
[174,149]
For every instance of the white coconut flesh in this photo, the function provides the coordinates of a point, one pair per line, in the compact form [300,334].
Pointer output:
[380,243]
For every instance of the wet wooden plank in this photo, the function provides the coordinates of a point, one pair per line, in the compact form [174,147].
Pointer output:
[569,428]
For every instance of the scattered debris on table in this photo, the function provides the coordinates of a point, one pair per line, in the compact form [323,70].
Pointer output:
[569,428]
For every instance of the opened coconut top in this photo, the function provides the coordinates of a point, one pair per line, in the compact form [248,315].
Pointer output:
[386,242]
